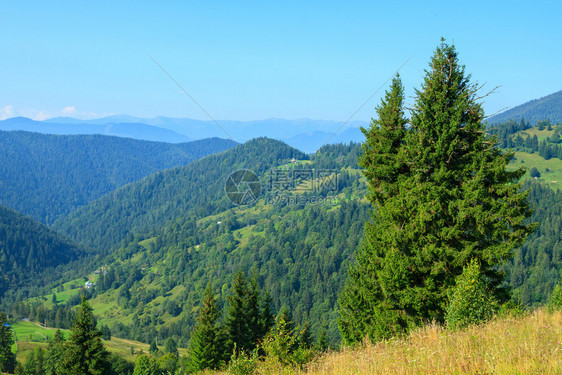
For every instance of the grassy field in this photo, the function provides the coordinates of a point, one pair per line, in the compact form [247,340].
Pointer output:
[531,344]
[541,134]
[29,331]
[31,335]
[553,178]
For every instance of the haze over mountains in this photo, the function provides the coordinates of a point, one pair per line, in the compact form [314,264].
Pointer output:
[305,134]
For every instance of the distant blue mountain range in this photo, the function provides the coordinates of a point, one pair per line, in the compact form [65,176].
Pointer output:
[138,131]
[304,134]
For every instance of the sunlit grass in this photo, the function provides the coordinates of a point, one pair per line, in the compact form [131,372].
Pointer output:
[531,344]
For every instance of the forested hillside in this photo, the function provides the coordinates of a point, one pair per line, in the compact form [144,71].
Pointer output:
[546,108]
[196,190]
[27,249]
[537,265]
[175,231]
[47,176]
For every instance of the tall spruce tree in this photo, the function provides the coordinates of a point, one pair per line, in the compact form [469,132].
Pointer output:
[448,198]
[206,347]
[360,303]
[85,353]
[248,316]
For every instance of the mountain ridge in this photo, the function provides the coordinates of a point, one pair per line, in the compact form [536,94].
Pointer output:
[46,176]
[548,107]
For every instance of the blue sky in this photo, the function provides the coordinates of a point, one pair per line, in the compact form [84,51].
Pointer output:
[248,60]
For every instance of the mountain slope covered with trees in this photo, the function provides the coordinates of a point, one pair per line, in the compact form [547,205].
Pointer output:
[545,108]
[27,249]
[47,176]
[195,190]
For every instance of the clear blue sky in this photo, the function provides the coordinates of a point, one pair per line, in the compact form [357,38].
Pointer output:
[245,60]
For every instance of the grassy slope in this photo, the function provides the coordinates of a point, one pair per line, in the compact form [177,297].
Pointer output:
[553,178]
[31,335]
[523,159]
[530,344]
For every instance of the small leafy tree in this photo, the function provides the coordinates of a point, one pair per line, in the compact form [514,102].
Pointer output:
[472,301]
[534,172]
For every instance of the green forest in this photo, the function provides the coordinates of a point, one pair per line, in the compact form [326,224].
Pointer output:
[48,176]
[435,213]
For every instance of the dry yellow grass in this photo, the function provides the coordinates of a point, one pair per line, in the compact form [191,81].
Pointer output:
[526,345]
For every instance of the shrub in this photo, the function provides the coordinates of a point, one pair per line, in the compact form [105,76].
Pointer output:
[285,346]
[534,172]
[243,364]
[555,300]
[470,302]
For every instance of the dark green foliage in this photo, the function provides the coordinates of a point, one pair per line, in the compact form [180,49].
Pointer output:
[120,366]
[171,347]
[153,349]
[247,320]
[34,363]
[547,148]
[537,265]
[27,248]
[7,357]
[534,172]
[85,352]
[207,344]
[381,163]
[55,356]
[450,201]
[548,107]
[48,176]
[196,190]
[471,301]
[105,332]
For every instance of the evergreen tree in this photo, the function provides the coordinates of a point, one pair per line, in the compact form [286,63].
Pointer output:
[382,166]
[206,348]
[471,302]
[172,347]
[146,365]
[153,349]
[55,355]
[451,201]
[383,140]
[7,357]
[85,353]
[34,363]
[237,317]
